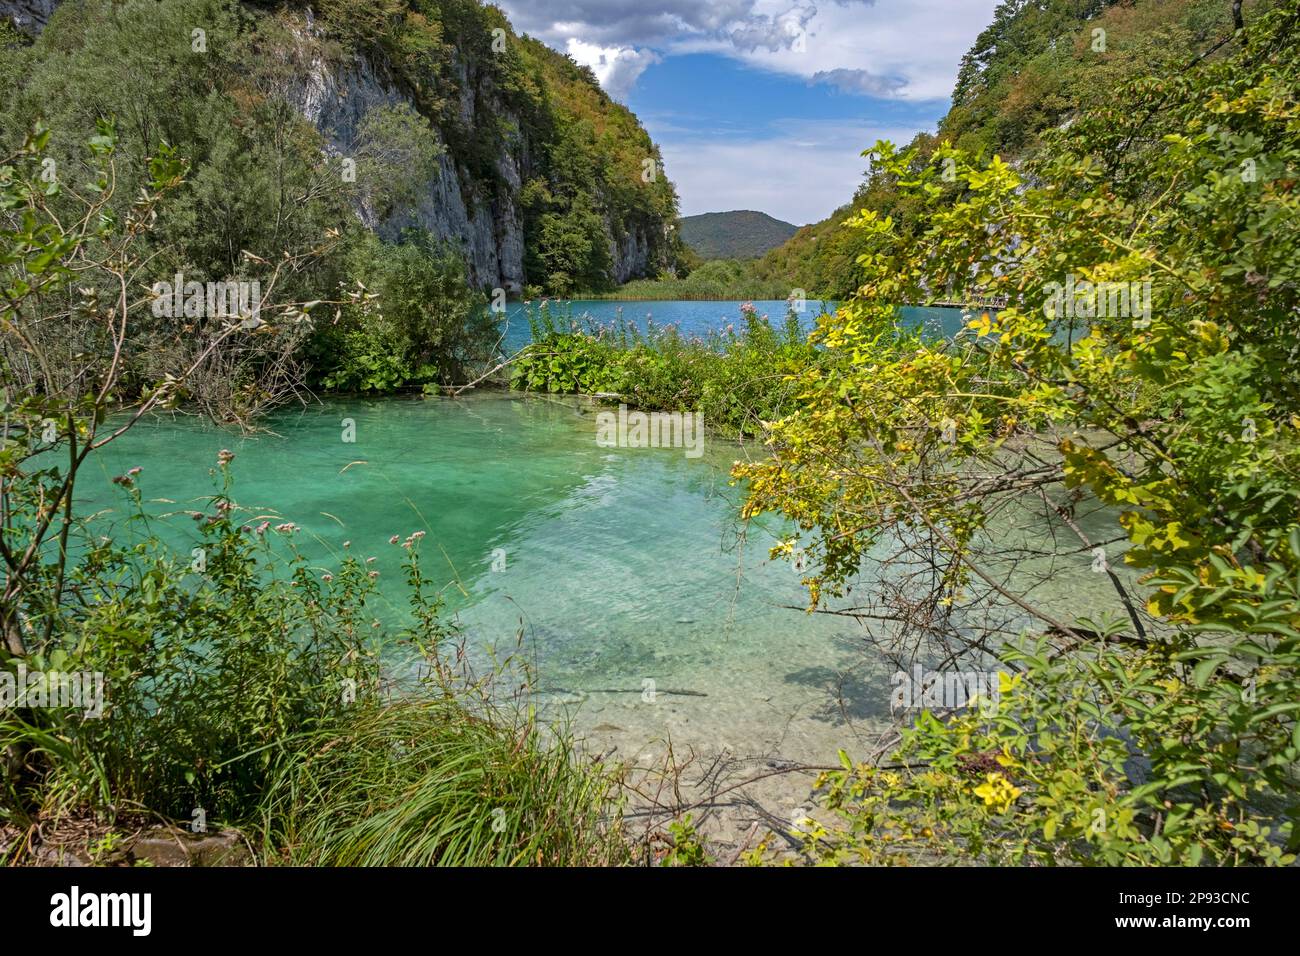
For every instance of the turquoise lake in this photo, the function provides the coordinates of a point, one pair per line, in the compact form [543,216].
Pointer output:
[619,566]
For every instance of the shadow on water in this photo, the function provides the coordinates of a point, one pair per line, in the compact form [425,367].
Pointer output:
[621,566]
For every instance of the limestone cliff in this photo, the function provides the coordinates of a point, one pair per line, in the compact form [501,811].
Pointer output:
[536,160]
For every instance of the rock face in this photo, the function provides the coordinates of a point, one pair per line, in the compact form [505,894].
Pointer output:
[631,254]
[484,222]
[486,228]
[30,16]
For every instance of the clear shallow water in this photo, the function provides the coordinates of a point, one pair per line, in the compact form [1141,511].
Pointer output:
[622,565]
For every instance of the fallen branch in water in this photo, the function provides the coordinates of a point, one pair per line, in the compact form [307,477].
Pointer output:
[489,372]
[623,690]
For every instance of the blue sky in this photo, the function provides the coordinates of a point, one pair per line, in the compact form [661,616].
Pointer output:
[767,104]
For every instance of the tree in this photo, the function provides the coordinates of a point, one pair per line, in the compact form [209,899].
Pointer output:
[1135,404]
[74,292]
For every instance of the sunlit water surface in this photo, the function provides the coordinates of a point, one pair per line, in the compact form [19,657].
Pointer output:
[624,569]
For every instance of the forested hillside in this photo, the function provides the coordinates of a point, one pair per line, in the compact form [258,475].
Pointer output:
[1039,63]
[740,234]
[493,143]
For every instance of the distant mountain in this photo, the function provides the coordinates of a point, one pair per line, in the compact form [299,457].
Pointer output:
[740,234]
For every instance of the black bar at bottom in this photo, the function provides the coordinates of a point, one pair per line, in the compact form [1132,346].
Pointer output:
[338,906]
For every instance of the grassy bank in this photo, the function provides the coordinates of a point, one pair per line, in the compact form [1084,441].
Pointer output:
[427,782]
[737,377]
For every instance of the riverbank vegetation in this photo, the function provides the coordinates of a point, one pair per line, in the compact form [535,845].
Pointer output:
[1165,729]
[717,279]
[738,378]
[1155,431]
[229,113]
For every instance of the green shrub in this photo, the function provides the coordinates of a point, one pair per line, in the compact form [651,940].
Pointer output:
[243,683]
[210,660]
[422,327]
[738,379]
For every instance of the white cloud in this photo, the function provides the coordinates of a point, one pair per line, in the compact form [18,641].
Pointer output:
[909,49]
[616,68]
[800,174]
[775,33]
[858,81]
[623,23]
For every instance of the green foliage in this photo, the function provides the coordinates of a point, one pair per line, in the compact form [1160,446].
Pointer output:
[260,196]
[687,848]
[249,688]
[431,783]
[1049,779]
[584,154]
[1038,63]
[223,110]
[203,670]
[398,154]
[1183,424]
[737,378]
[603,181]
[569,361]
[233,112]
[208,668]
[569,249]
[421,326]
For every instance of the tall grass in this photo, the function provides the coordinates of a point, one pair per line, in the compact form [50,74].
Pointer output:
[425,782]
[253,691]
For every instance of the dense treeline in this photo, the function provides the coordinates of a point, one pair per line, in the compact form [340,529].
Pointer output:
[1035,66]
[223,86]
[712,280]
